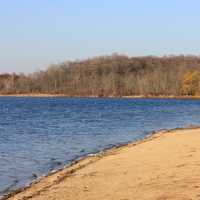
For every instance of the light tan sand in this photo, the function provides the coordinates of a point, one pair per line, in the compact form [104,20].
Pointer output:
[164,166]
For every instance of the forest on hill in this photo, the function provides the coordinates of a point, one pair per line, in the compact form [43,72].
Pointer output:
[115,75]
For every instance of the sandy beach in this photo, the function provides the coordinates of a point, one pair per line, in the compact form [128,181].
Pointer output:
[163,166]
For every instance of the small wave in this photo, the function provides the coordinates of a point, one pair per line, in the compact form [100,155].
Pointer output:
[53,163]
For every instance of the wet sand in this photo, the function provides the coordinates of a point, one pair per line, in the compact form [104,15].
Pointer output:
[163,166]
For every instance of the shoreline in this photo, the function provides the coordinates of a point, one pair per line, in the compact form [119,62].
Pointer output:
[93,96]
[85,160]
[55,177]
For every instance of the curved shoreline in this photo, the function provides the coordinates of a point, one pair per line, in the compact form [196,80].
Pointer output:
[9,192]
[56,177]
[88,157]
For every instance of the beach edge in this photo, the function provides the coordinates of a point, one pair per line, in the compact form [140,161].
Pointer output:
[68,170]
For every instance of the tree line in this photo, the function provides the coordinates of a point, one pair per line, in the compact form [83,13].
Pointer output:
[115,75]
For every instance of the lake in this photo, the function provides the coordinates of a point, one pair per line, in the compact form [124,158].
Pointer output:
[38,135]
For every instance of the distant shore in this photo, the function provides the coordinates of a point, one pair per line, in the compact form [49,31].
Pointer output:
[93,96]
[162,166]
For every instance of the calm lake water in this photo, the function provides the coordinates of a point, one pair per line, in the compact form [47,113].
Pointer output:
[38,135]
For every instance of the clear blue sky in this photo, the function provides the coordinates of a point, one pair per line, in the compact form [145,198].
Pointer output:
[36,33]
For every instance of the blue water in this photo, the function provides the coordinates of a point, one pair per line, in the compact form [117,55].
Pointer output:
[38,135]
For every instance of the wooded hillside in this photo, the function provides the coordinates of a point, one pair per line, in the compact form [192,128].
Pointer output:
[115,75]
